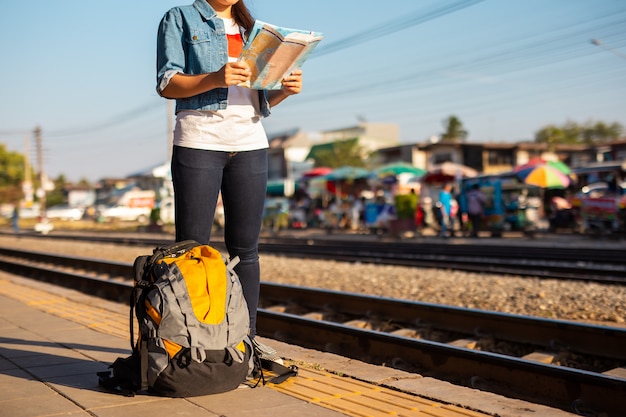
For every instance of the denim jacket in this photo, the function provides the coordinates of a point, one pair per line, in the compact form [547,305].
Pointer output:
[192,40]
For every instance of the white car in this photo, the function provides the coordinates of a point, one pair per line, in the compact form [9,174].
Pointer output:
[65,212]
[124,213]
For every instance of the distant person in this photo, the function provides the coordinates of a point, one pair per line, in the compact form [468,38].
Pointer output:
[358,213]
[220,144]
[476,201]
[611,181]
[445,205]
[561,213]
[15,219]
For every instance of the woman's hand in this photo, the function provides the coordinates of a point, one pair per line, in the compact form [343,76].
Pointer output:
[292,84]
[184,85]
[234,73]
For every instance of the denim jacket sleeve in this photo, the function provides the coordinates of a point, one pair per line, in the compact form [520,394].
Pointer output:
[192,40]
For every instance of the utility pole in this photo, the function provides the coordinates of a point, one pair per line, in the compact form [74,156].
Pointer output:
[27,185]
[41,192]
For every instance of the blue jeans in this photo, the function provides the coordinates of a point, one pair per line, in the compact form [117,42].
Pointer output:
[198,177]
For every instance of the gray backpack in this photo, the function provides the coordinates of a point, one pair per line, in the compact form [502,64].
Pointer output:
[193,325]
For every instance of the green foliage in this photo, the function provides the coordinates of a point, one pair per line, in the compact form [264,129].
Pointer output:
[155,215]
[58,195]
[341,153]
[406,204]
[54,198]
[11,167]
[454,130]
[11,175]
[574,133]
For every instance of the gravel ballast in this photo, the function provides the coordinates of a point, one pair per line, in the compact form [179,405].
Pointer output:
[590,302]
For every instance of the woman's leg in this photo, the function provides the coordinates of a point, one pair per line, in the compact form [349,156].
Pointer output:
[243,194]
[197,177]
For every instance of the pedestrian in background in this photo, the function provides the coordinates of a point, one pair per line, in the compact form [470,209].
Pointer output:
[15,218]
[220,145]
[445,205]
[476,201]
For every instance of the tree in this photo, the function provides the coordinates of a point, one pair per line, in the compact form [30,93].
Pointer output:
[601,132]
[574,133]
[454,130]
[58,195]
[11,175]
[551,135]
[341,153]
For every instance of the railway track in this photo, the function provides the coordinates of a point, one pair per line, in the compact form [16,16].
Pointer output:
[575,367]
[598,264]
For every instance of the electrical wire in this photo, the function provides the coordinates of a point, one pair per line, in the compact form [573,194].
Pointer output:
[530,59]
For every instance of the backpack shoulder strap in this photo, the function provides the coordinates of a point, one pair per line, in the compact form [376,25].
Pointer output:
[282,372]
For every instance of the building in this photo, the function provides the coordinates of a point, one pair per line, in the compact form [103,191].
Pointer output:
[287,155]
[292,153]
[371,136]
[492,158]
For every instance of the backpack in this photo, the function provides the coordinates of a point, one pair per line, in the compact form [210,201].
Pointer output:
[193,325]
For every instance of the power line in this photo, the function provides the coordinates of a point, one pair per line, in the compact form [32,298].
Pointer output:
[395,25]
[117,120]
[600,44]
[375,32]
[516,57]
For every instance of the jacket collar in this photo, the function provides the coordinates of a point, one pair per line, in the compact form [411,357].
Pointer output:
[204,8]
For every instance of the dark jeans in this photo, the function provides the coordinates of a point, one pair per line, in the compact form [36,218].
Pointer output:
[198,177]
[476,220]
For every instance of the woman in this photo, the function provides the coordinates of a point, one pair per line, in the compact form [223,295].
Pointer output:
[219,142]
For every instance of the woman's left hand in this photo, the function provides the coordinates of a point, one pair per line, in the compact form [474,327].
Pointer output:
[292,84]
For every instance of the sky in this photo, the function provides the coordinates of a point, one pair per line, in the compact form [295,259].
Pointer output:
[84,72]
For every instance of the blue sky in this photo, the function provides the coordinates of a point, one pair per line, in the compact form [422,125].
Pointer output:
[85,72]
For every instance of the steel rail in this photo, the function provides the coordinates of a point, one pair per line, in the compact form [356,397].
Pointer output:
[565,388]
[582,263]
[557,386]
[548,333]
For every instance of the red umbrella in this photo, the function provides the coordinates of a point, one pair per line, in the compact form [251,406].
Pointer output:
[317,172]
[448,172]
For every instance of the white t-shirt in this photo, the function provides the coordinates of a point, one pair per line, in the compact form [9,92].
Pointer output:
[236,128]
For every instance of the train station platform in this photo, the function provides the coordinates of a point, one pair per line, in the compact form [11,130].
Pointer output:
[53,341]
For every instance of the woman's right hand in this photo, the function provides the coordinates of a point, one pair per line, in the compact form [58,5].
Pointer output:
[183,85]
[234,73]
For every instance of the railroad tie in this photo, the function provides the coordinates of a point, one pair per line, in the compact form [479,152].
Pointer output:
[617,372]
[543,357]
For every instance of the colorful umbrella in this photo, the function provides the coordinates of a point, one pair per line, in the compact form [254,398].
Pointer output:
[535,162]
[544,176]
[348,173]
[316,172]
[561,166]
[448,172]
[397,168]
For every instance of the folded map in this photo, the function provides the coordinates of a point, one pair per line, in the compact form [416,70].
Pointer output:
[272,53]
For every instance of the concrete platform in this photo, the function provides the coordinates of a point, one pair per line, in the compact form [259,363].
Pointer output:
[54,340]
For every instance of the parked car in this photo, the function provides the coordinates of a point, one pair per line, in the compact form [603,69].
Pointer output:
[65,212]
[124,213]
[29,212]
[167,212]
